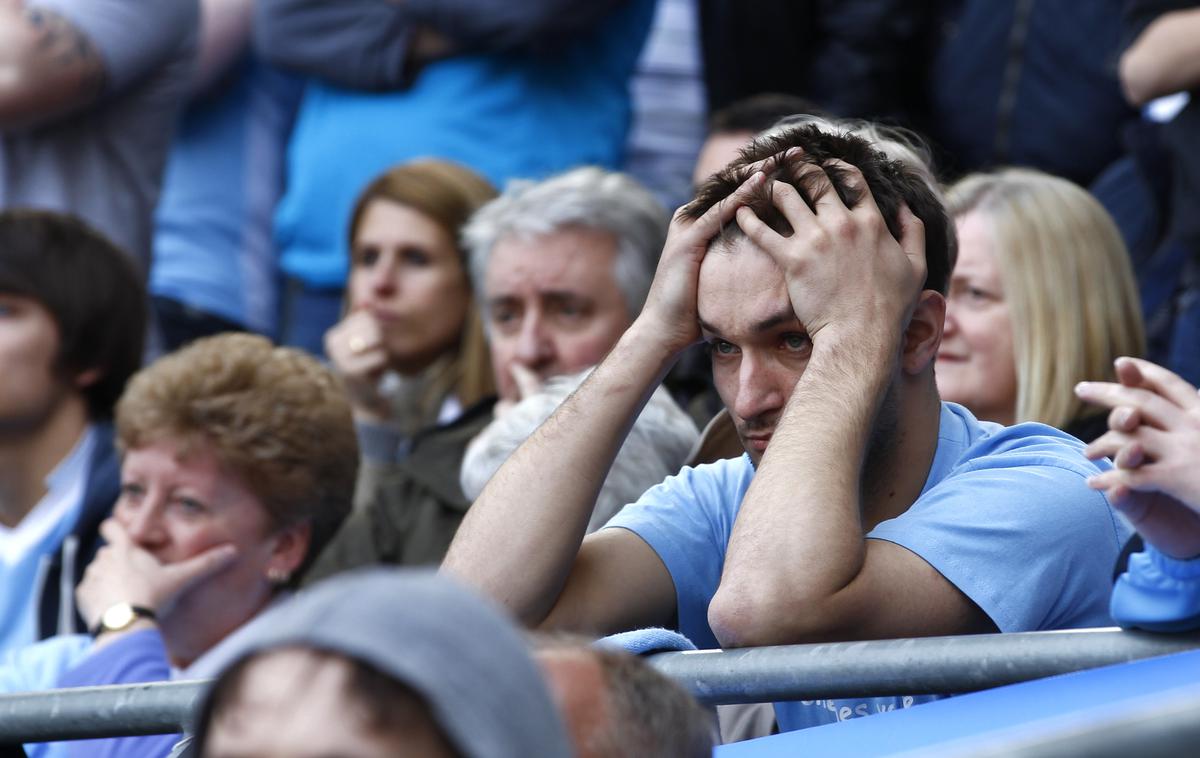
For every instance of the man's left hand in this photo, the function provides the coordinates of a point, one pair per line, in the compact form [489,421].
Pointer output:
[843,267]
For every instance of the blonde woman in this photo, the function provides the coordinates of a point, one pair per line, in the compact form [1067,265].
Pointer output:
[1042,297]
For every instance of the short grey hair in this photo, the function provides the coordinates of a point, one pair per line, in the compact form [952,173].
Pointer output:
[588,198]
[656,447]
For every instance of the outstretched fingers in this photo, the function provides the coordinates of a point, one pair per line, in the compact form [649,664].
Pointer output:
[185,573]
[711,222]
[1136,372]
[1152,408]
[1124,419]
[1129,450]
[912,241]
[758,232]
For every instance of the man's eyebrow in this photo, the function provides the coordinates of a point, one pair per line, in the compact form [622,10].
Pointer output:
[567,295]
[784,316]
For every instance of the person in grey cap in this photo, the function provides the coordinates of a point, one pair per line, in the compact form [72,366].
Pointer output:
[383,662]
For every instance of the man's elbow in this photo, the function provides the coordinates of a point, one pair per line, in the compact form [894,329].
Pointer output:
[760,618]
[1140,78]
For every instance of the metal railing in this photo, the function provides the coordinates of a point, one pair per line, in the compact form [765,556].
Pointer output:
[795,672]
[918,666]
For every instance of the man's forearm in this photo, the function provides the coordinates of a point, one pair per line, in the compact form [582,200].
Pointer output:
[520,538]
[1164,59]
[798,538]
[358,44]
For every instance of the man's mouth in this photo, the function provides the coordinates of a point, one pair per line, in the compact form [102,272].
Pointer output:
[757,442]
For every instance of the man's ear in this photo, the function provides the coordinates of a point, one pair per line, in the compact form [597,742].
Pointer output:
[924,332]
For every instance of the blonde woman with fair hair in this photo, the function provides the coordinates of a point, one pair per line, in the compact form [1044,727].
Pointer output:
[1042,297]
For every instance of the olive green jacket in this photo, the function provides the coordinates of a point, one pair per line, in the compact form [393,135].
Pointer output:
[407,511]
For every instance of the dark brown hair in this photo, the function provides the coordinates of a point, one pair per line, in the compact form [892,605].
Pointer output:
[892,183]
[91,289]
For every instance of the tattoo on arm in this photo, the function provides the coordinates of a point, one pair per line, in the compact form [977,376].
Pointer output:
[62,45]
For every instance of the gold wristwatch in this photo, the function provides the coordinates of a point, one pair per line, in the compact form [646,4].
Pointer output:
[119,617]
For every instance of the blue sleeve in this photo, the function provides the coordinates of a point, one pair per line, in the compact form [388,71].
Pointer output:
[136,657]
[1158,593]
[134,37]
[39,666]
[687,521]
[1031,545]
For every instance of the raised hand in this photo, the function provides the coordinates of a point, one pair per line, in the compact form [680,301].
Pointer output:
[356,349]
[843,267]
[1154,442]
[123,572]
[670,309]
[528,384]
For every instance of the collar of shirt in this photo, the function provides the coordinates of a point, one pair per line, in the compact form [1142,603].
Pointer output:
[58,508]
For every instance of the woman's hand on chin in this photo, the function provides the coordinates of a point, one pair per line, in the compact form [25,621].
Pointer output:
[357,352]
[123,572]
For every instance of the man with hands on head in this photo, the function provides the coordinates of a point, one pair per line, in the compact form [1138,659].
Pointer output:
[1154,443]
[815,267]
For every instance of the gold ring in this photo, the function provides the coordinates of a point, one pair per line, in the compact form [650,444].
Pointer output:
[357,344]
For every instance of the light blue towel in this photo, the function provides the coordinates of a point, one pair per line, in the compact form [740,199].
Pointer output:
[646,641]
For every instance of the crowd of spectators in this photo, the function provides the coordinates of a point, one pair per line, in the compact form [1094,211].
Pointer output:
[290,289]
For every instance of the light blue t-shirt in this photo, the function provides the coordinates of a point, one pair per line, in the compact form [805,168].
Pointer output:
[1005,515]
[37,667]
[27,550]
[213,246]
[1158,592]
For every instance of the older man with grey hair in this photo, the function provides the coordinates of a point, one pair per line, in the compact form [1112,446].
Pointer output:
[561,267]
[658,445]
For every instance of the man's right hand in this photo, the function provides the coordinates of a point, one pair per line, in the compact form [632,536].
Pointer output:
[669,314]
[356,349]
[843,267]
[1154,442]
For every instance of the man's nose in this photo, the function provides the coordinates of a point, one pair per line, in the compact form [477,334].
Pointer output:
[535,344]
[758,393]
